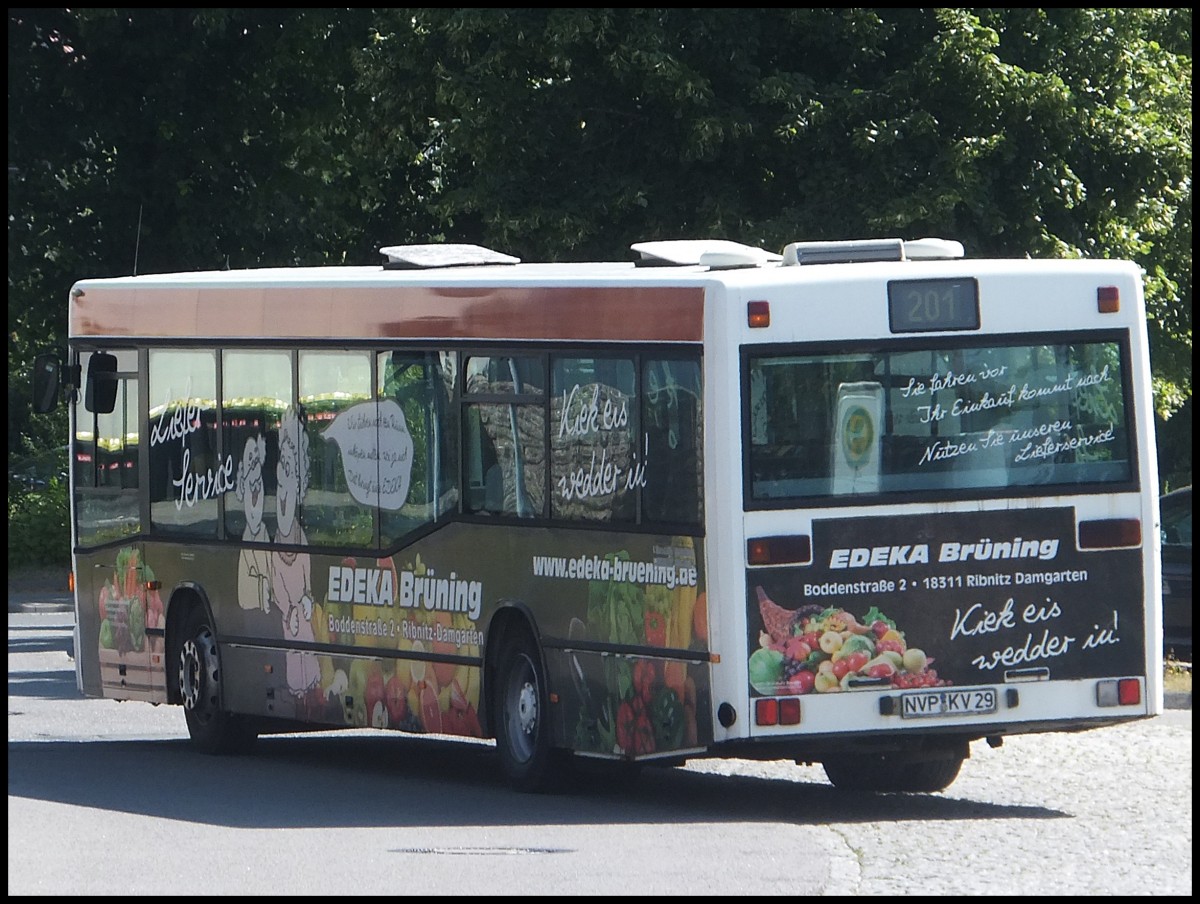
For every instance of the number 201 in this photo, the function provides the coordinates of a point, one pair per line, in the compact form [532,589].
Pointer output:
[927,306]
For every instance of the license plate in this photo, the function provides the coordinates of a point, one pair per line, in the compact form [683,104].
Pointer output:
[923,704]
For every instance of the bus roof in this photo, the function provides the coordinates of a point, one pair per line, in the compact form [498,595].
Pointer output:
[464,291]
[684,261]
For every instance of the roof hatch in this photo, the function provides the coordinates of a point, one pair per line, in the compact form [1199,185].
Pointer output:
[870,250]
[427,257]
[707,252]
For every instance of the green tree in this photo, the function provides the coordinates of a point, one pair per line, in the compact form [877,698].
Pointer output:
[573,132]
[150,140]
[164,139]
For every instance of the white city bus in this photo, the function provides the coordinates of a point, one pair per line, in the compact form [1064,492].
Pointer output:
[859,503]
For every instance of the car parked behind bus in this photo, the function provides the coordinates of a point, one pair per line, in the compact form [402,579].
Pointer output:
[1176,510]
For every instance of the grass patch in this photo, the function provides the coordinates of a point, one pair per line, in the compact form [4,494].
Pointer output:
[1177,676]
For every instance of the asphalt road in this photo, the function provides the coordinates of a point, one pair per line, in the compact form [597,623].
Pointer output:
[109,798]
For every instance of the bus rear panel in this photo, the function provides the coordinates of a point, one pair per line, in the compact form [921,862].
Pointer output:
[947,482]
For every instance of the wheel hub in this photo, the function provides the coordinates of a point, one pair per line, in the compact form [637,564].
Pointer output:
[190,671]
[527,708]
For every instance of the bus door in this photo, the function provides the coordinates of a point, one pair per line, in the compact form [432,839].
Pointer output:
[118,608]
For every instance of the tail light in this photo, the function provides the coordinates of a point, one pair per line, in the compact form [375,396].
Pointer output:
[1110,533]
[1119,692]
[789,550]
[777,711]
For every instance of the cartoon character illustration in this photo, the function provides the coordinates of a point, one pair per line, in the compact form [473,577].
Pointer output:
[291,586]
[254,566]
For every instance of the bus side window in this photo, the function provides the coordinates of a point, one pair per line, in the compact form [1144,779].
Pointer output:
[419,388]
[511,459]
[505,424]
[341,420]
[493,489]
[186,470]
[256,391]
[674,463]
[117,439]
[594,440]
[107,453]
[481,458]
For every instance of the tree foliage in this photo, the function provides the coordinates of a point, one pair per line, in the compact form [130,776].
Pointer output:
[181,139]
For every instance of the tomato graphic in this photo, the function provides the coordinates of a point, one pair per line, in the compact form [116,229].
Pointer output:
[645,676]
[656,629]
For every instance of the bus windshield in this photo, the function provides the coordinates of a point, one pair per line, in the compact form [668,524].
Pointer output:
[987,415]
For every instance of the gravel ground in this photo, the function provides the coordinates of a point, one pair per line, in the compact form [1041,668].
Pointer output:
[1105,812]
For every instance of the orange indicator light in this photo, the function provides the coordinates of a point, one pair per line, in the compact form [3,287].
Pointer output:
[758,314]
[1108,299]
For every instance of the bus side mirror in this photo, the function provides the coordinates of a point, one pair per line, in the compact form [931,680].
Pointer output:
[100,396]
[47,370]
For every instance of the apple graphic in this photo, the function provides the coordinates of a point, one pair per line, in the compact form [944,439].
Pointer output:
[378,715]
[431,714]
[374,695]
[396,699]
[471,726]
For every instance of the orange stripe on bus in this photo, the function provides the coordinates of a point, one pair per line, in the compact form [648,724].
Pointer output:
[628,314]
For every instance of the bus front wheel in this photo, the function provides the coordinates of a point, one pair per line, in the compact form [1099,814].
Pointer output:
[212,729]
[522,725]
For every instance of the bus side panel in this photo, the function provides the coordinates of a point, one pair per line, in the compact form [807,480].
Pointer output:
[629,707]
[944,601]
[119,616]
[399,641]
[584,595]
[620,618]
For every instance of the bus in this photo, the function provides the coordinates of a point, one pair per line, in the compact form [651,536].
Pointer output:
[859,503]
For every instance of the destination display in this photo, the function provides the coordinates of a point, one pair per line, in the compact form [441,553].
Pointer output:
[922,305]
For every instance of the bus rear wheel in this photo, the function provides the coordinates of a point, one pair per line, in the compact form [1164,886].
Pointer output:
[211,728]
[881,772]
[522,728]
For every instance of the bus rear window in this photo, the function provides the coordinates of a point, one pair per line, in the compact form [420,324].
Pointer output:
[968,417]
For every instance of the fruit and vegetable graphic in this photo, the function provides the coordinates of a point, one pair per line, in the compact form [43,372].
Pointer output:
[411,694]
[656,628]
[640,706]
[655,710]
[826,650]
[403,694]
[128,607]
[627,612]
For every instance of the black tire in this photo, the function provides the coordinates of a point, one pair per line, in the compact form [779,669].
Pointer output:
[212,729]
[884,773]
[521,707]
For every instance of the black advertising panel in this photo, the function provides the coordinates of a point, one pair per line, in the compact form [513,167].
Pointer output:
[946,600]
